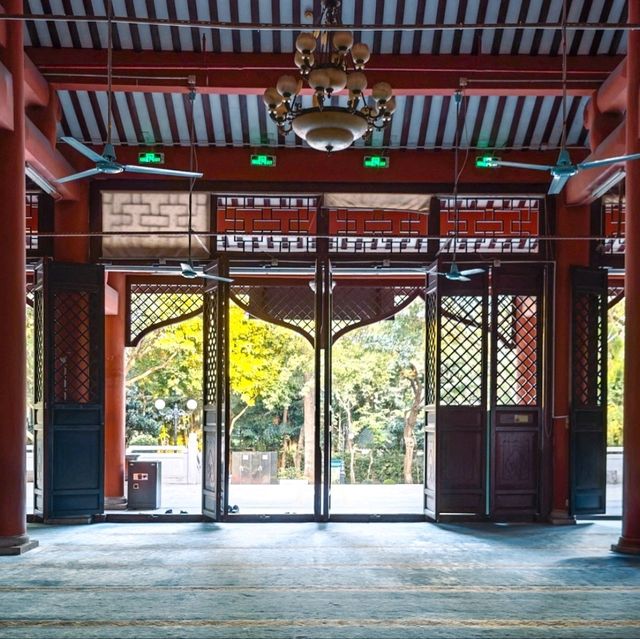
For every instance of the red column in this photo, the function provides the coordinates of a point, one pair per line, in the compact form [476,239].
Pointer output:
[629,541]
[114,398]
[72,216]
[13,374]
[571,222]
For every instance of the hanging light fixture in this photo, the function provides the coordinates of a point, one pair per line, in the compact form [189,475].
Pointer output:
[329,62]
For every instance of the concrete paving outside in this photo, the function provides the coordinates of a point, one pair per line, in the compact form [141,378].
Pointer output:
[297,498]
[321,581]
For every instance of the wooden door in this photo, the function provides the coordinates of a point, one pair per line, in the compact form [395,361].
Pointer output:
[69,391]
[215,393]
[516,390]
[323,410]
[588,415]
[432,339]
[456,411]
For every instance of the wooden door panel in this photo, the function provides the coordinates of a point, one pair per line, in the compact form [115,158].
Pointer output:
[215,381]
[69,389]
[588,416]
[516,391]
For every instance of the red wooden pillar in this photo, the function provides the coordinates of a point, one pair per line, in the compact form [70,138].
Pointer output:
[13,373]
[114,397]
[629,541]
[72,217]
[572,221]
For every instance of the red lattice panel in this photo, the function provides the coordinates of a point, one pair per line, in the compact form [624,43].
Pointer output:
[377,222]
[266,216]
[491,218]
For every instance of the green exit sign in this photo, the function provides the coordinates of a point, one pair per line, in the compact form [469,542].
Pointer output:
[486,161]
[376,162]
[150,157]
[263,160]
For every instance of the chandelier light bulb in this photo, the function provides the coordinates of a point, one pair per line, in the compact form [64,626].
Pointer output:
[337,79]
[360,54]
[306,43]
[390,106]
[272,98]
[303,61]
[381,92]
[287,86]
[319,79]
[342,41]
[357,82]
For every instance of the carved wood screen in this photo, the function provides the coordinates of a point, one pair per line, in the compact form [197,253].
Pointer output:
[291,306]
[588,416]
[151,305]
[356,306]
[69,390]
[491,225]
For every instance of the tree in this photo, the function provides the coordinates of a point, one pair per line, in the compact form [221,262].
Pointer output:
[615,375]
[378,390]
[166,364]
[272,365]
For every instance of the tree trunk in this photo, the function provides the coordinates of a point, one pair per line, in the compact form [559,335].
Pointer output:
[410,420]
[297,458]
[235,418]
[409,447]
[286,441]
[309,409]
[350,446]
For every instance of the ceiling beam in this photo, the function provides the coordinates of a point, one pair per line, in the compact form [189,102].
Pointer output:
[250,73]
[409,171]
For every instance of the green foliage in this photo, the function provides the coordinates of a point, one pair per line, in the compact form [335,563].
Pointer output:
[142,419]
[615,375]
[143,440]
[167,364]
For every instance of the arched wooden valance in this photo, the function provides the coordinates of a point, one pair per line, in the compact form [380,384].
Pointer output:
[152,305]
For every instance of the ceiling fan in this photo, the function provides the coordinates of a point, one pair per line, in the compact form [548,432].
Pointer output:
[564,168]
[454,273]
[187,269]
[107,163]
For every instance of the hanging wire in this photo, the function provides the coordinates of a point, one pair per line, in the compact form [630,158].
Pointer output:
[192,165]
[456,173]
[109,68]
[563,143]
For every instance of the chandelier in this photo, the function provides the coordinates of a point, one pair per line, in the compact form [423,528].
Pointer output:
[330,62]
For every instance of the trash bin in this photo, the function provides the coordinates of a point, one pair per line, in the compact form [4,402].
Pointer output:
[337,471]
[144,485]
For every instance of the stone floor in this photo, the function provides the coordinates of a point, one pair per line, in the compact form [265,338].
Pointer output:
[316,581]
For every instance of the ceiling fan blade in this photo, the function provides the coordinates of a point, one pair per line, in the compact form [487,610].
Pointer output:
[457,278]
[152,170]
[607,161]
[83,148]
[79,176]
[557,184]
[472,271]
[523,165]
[218,278]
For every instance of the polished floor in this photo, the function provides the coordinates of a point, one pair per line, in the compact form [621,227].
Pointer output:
[317,581]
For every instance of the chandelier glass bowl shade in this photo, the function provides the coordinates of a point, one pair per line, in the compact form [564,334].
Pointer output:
[330,63]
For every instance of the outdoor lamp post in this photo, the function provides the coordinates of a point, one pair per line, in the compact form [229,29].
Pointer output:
[175,413]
